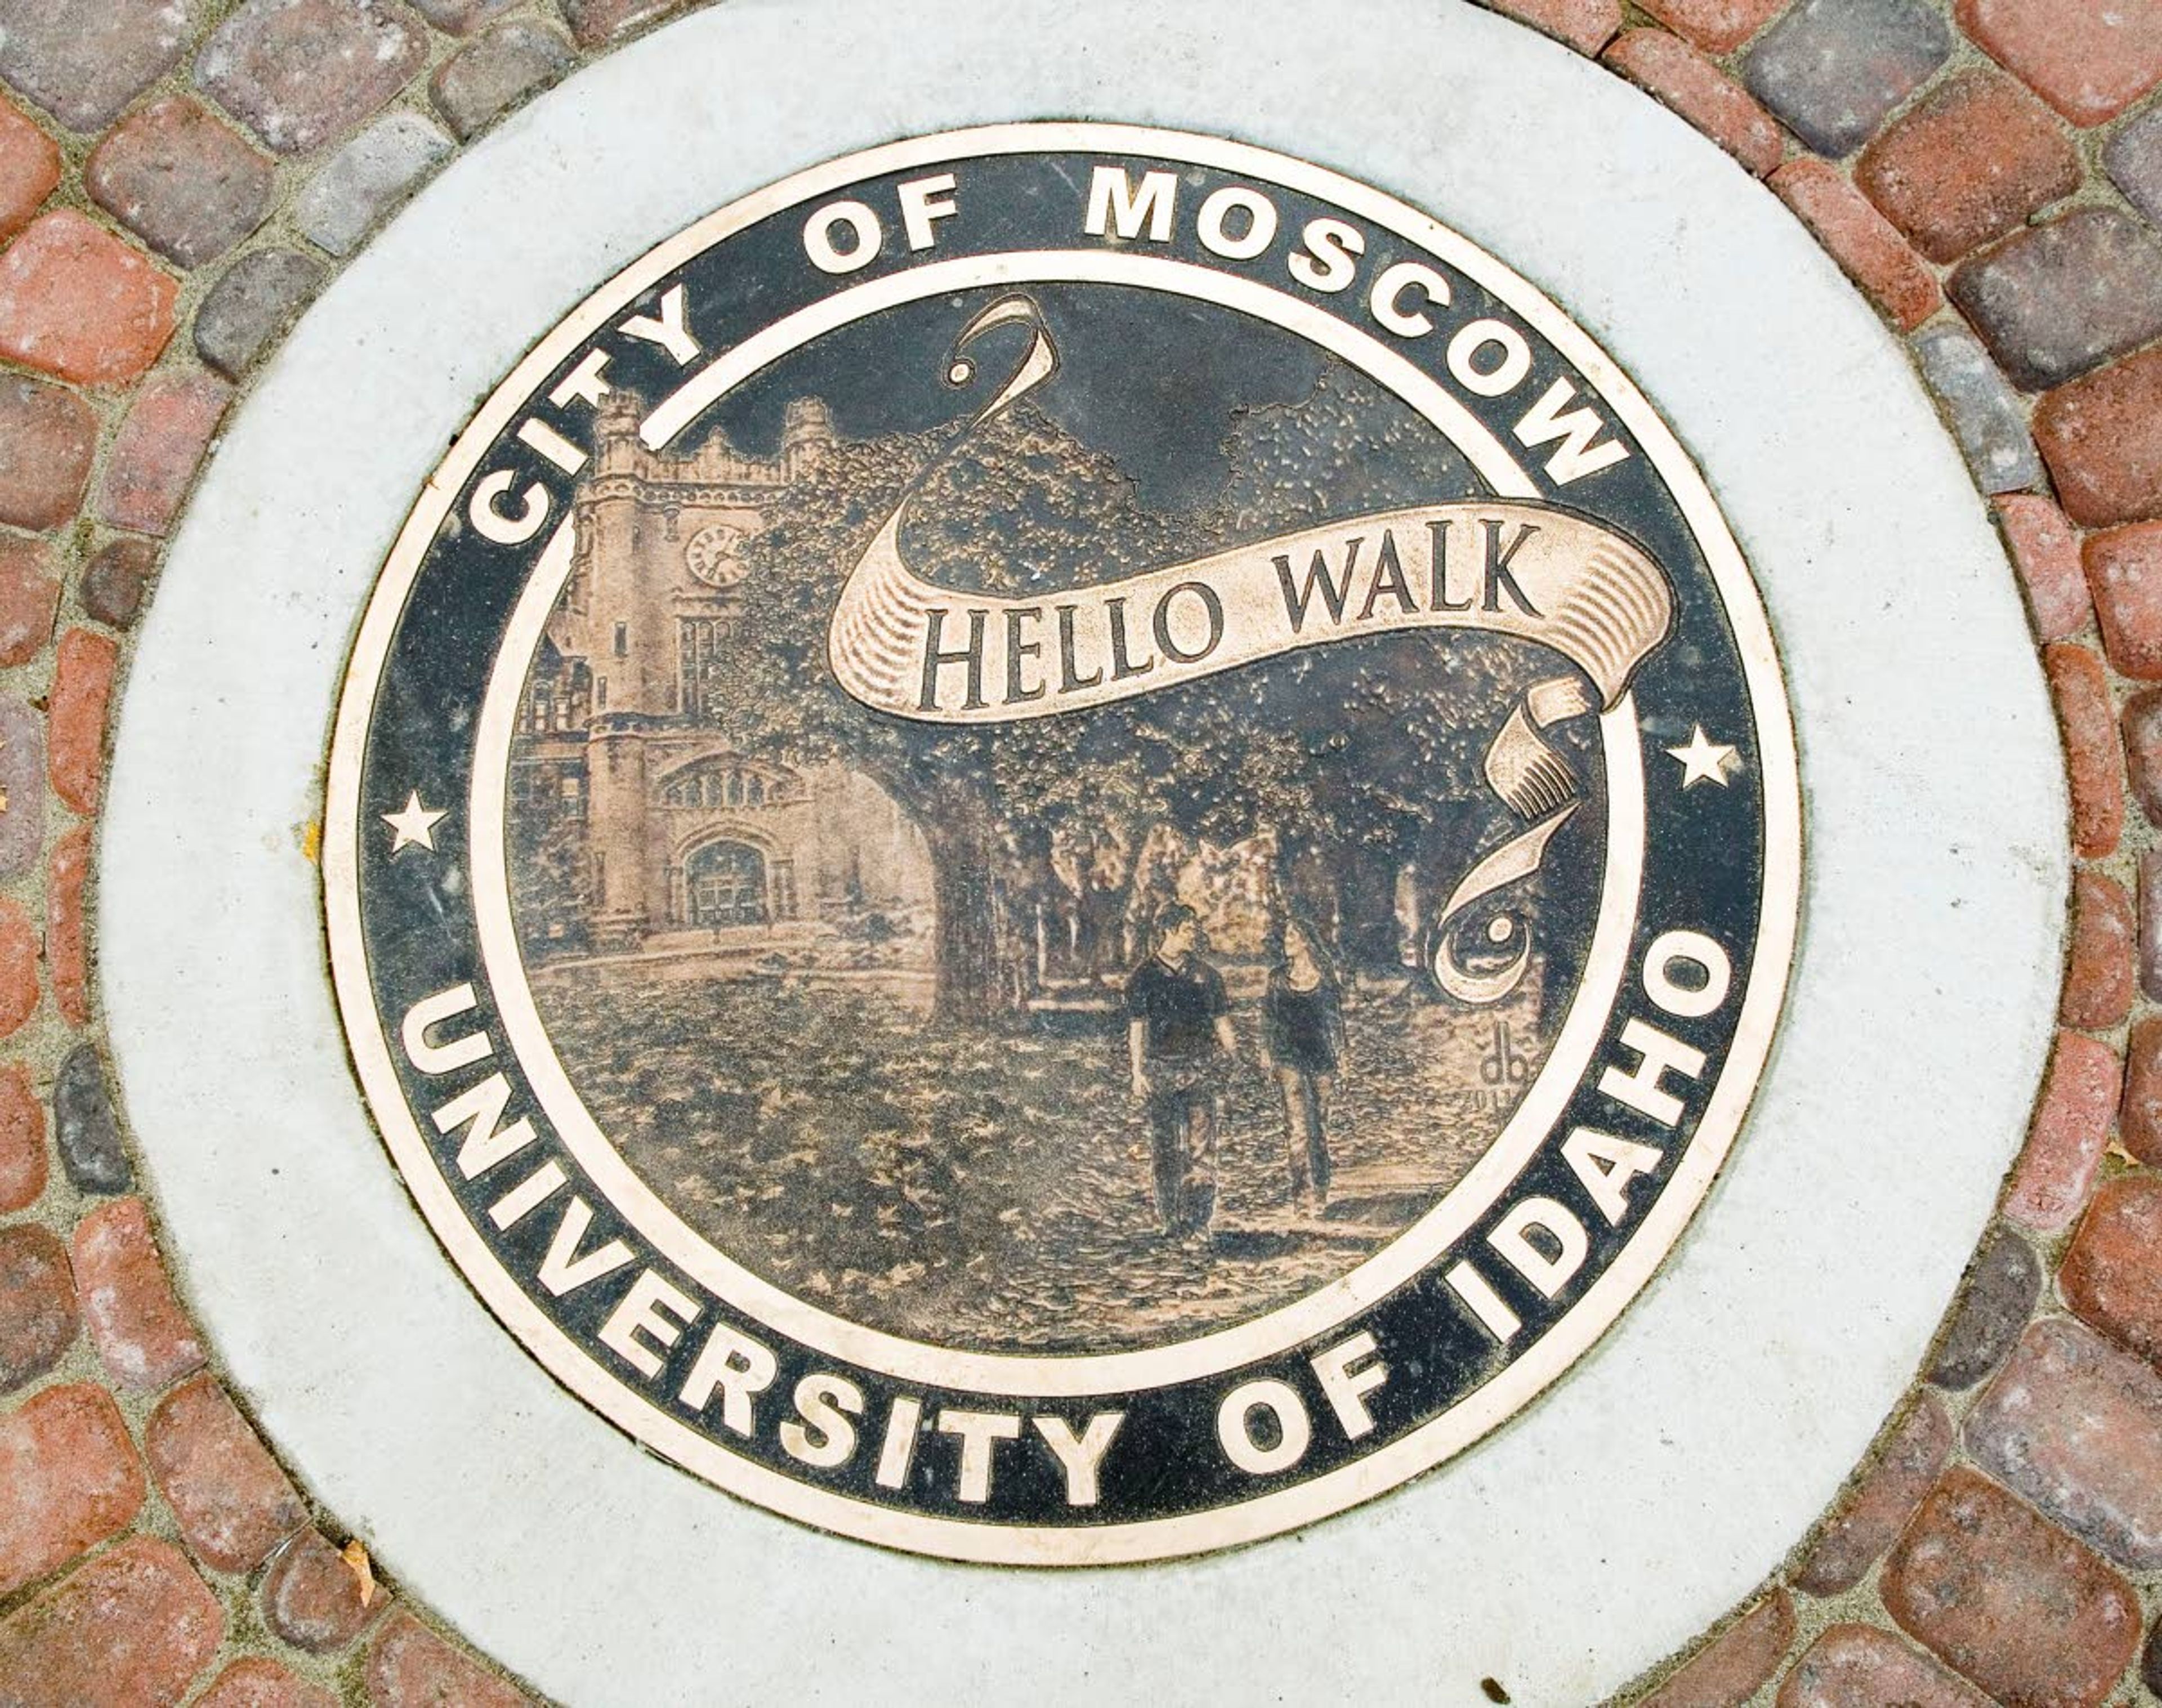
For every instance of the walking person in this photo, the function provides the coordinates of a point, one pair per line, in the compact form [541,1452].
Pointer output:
[1179,1044]
[1303,1039]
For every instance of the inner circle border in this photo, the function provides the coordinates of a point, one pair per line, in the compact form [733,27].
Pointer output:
[1486,1406]
[1017,1374]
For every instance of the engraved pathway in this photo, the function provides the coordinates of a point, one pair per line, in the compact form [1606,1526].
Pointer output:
[994,1188]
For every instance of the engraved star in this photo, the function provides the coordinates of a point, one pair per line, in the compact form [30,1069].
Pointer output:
[416,825]
[1704,760]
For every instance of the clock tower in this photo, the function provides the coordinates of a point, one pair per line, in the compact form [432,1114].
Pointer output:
[618,757]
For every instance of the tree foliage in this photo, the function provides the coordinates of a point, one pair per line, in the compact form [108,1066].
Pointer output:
[1366,753]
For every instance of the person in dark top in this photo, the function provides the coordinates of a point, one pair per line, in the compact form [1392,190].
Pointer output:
[1303,1040]
[1179,1042]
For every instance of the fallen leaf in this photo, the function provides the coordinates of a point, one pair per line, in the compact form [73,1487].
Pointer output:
[357,1560]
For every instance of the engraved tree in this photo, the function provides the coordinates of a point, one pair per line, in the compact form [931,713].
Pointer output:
[1024,507]
[1356,759]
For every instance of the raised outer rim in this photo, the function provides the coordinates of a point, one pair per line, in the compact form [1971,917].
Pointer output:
[1490,1404]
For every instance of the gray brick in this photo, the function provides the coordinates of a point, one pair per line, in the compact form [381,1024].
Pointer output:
[2059,301]
[299,72]
[462,16]
[22,787]
[1985,411]
[84,60]
[114,583]
[246,311]
[2000,1297]
[38,1319]
[1833,69]
[2149,960]
[84,1128]
[366,177]
[2133,161]
[494,72]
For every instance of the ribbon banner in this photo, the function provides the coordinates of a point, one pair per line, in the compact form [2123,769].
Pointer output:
[902,645]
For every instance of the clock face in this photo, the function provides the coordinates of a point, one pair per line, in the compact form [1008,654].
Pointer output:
[712,555]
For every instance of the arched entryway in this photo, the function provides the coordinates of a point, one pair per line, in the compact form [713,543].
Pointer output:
[726,885]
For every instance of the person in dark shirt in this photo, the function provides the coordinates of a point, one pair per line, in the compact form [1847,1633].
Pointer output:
[1179,1041]
[1303,1039]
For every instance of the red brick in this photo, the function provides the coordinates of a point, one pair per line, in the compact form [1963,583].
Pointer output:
[2046,553]
[1586,25]
[2070,1135]
[82,685]
[68,1478]
[2101,437]
[596,21]
[1968,163]
[29,595]
[233,1504]
[77,302]
[299,72]
[38,1320]
[2089,58]
[18,967]
[180,180]
[22,1139]
[29,168]
[2093,760]
[1869,1520]
[2113,1271]
[2098,981]
[2075,1424]
[2140,1116]
[2034,1618]
[1728,1673]
[135,1629]
[409,1666]
[1853,1666]
[47,439]
[1860,239]
[2124,574]
[1716,26]
[156,451]
[67,958]
[312,1599]
[136,1320]
[264,1683]
[1682,78]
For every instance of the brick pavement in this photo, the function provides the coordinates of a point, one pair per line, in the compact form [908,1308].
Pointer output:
[177,178]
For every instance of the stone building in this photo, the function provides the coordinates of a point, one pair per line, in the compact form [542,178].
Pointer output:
[617,745]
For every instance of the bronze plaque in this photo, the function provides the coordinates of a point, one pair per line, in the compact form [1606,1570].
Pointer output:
[1062,844]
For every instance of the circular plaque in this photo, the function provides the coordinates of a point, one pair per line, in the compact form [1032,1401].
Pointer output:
[1175,938]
